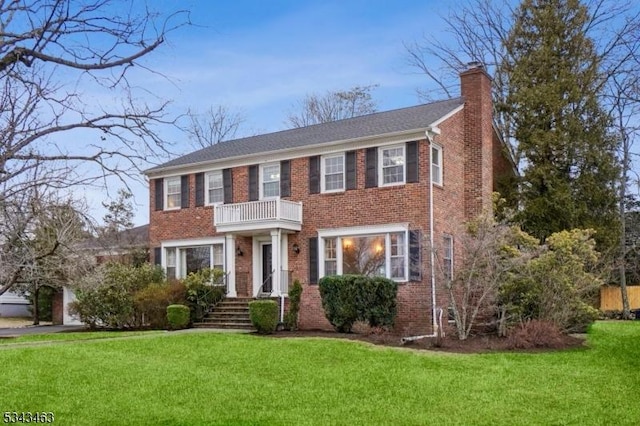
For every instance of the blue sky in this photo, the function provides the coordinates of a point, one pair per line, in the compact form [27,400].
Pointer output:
[261,57]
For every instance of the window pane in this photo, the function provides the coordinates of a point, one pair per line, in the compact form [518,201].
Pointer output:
[330,267]
[173,186]
[271,189]
[330,248]
[215,179]
[436,165]
[333,165]
[218,256]
[334,182]
[216,195]
[171,256]
[397,267]
[393,165]
[271,173]
[173,200]
[364,255]
[196,259]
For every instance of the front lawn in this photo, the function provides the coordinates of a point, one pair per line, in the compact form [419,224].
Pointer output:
[219,378]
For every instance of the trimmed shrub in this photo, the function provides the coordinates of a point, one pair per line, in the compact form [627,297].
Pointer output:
[350,298]
[377,302]
[339,298]
[204,288]
[264,315]
[178,316]
[151,302]
[536,334]
[291,317]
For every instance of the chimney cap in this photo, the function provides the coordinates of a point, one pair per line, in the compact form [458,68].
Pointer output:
[474,64]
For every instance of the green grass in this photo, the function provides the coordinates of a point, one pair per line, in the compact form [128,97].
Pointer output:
[216,378]
[61,337]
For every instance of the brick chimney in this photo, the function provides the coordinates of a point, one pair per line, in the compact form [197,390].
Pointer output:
[478,135]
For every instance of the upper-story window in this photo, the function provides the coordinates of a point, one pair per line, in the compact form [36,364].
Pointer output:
[270,180]
[214,187]
[172,193]
[392,165]
[436,164]
[333,173]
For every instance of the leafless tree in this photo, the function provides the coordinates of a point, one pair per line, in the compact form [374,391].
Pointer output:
[488,252]
[56,58]
[40,234]
[332,106]
[217,125]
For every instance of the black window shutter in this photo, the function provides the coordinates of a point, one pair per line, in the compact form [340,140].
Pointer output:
[415,257]
[371,160]
[313,260]
[411,152]
[159,184]
[285,178]
[314,174]
[227,182]
[184,192]
[199,189]
[253,183]
[157,256]
[351,170]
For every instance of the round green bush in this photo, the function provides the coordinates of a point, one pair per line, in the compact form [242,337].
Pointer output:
[178,316]
[264,315]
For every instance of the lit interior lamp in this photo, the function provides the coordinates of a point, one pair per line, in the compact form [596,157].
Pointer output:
[346,243]
[378,248]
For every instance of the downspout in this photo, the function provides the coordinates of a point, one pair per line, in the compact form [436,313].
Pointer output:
[430,133]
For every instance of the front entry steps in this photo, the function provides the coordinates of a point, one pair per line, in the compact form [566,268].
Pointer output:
[230,313]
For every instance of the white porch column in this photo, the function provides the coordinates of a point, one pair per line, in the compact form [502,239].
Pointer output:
[276,263]
[230,264]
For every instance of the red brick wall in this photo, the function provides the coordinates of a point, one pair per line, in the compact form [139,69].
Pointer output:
[466,189]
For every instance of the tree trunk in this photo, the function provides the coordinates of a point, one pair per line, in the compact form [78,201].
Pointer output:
[626,312]
[36,305]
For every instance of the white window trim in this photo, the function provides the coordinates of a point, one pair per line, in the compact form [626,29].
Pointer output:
[381,160]
[322,173]
[166,192]
[261,180]
[438,148]
[207,201]
[182,244]
[338,233]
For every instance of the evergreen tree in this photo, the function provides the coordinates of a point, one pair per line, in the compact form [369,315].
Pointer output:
[570,170]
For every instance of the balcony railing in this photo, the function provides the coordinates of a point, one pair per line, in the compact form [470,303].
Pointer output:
[276,212]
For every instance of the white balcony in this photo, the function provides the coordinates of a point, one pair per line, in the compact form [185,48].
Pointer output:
[258,215]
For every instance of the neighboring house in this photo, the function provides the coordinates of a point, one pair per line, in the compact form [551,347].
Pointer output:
[122,247]
[14,305]
[350,196]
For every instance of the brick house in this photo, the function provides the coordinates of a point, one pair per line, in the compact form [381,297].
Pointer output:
[368,195]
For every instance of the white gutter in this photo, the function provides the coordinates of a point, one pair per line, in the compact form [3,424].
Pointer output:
[430,133]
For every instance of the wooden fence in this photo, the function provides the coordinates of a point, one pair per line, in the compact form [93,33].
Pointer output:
[611,299]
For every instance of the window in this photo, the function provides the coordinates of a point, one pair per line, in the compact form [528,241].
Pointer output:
[270,180]
[447,257]
[171,263]
[436,164]
[172,191]
[381,254]
[183,260]
[397,255]
[333,173]
[330,259]
[214,187]
[392,165]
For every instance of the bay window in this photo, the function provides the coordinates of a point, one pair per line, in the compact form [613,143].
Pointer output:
[180,261]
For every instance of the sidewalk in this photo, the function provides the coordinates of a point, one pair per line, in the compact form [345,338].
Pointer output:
[39,329]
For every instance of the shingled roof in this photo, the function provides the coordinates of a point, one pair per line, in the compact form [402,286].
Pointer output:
[380,123]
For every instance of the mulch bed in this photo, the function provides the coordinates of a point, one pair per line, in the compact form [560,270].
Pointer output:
[474,344]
